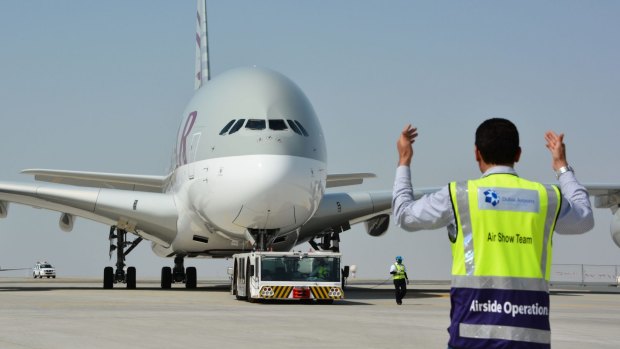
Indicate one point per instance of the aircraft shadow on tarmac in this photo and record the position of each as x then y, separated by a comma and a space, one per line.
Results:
117, 288
354, 295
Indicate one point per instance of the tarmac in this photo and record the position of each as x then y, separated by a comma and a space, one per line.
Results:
78, 313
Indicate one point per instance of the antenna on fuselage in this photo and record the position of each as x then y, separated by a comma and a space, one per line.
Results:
202, 45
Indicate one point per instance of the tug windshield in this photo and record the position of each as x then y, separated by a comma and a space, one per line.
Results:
280, 268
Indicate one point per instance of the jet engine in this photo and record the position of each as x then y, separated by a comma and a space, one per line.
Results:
66, 222
4, 209
614, 228
611, 200
377, 226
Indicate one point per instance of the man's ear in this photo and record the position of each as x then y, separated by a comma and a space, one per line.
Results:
518, 155
477, 154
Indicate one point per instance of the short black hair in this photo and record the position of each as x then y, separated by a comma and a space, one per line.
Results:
497, 140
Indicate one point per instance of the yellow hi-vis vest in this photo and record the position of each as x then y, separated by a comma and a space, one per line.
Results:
502, 262
400, 271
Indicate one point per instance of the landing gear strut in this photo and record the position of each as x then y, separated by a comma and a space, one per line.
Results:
123, 248
178, 274
262, 238
329, 241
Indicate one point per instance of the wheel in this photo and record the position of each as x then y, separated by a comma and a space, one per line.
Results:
108, 277
166, 277
34, 276
190, 277
53, 277
131, 278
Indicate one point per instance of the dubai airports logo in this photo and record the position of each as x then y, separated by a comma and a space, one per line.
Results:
491, 197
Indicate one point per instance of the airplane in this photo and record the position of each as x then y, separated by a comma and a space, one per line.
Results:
10, 269
249, 172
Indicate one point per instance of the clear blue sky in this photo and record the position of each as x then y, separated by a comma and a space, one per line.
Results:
100, 85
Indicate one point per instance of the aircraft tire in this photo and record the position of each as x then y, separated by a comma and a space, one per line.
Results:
190, 277
108, 277
166, 277
131, 278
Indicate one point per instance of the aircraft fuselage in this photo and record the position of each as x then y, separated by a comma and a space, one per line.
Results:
250, 155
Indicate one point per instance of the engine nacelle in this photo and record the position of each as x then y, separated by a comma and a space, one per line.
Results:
4, 209
66, 222
377, 226
615, 227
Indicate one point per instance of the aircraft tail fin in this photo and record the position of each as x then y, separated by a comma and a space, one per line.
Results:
202, 46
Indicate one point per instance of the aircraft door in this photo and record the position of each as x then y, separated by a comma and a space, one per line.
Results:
241, 278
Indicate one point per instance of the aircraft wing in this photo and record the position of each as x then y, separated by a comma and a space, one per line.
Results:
9, 269
150, 215
341, 180
605, 195
602, 189
100, 179
338, 211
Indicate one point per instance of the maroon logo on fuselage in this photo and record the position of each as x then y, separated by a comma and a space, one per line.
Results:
189, 123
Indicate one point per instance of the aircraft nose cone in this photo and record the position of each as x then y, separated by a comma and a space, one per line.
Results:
280, 195
261, 192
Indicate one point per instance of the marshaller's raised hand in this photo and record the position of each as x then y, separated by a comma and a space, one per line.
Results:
405, 145
555, 144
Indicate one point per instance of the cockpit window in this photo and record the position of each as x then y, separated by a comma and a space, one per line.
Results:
227, 127
255, 124
237, 126
293, 127
303, 130
277, 124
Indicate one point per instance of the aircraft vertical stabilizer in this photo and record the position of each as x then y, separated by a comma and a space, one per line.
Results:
202, 45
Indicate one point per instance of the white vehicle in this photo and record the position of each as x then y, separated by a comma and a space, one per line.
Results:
44, 269
287, 275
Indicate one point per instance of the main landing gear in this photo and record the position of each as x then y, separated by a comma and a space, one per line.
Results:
119, 243
178, 274
122, 247
329, 242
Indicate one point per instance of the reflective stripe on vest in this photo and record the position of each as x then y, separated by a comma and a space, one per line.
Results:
400, 271
500, 282
501, 260
505, 332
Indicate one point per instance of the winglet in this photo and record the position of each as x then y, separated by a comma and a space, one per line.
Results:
202, 46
